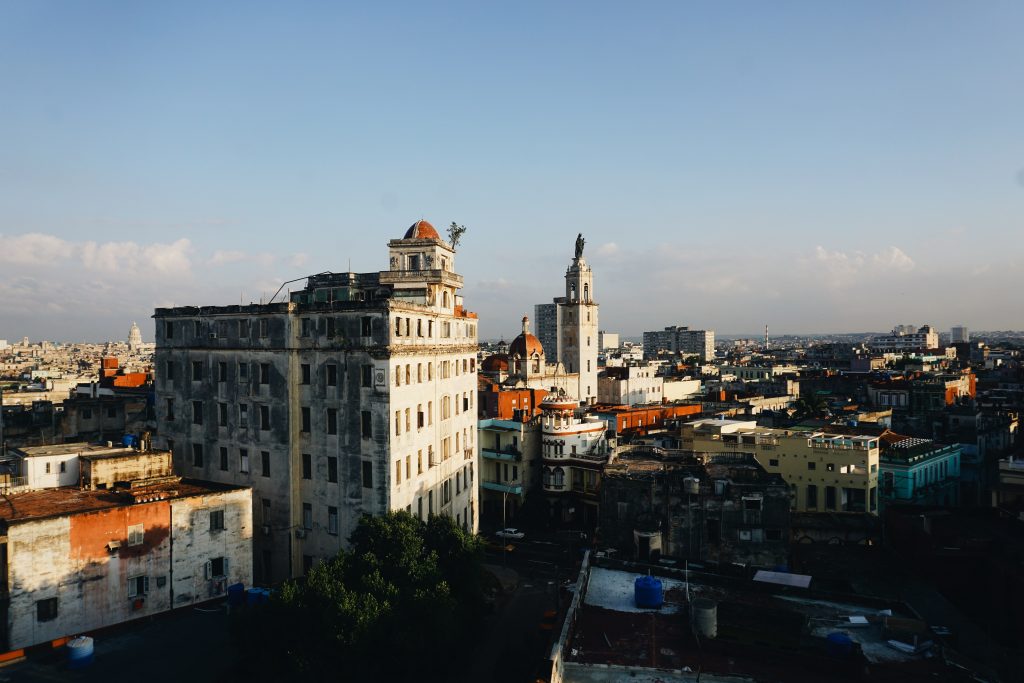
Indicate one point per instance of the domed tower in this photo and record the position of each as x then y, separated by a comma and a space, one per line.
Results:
526, 354
423, 267
134, 338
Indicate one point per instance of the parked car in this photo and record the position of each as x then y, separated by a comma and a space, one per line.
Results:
512, 533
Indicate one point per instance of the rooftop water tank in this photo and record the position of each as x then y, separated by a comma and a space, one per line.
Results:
705, 617
648, 592
80, 651
838, 644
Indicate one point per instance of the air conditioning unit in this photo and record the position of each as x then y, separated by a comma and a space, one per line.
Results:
266, 529
300, 533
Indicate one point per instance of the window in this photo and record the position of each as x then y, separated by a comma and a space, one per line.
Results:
332, 375
265, 418
264, 327
419, 416
366, 376
216, 520
197, 455
46, 610
136, 533
306, 373
243, 328
773, 534
264, 373
332, 420
419, 461
138, 586
398, 375
367, 474
197, 412
63, 467
306, 419
332, 520
265, 516
398, 472
366, 423
223, 459
812, 496
307, 466
111, 412
408, 420
365, 326
398, 423
222, 372
332, 469
408, 374
243, 415
830, 467
307, 516
46, 468
217, 568
830, 497
408, 467
265, 463
169, 330
430, 412
197, 328
774, 462
197, 371
243, 461
169, 370
222, 414
243, 372
812, 465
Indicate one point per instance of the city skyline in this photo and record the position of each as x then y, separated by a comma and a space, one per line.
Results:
816, 169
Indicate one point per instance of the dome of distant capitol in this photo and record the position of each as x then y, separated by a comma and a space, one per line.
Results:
421, 230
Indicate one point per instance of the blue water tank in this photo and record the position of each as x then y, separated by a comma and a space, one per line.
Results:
80, 651
130, 441
838, 644
236, 594
648, 592
254, 596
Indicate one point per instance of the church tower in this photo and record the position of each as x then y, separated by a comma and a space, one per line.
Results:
577, 333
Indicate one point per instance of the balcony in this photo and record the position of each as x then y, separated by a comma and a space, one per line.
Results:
446, 277
9, 484
503, 487
509, 453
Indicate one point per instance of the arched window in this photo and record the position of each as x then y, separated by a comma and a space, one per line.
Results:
558, 477
444, 299
586, 292
572, 292
547, 476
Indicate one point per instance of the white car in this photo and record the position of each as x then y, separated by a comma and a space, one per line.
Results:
511, 532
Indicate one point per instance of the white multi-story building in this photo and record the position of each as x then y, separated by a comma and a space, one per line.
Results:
682, 340
925, 337
574, 452
607, 340
630, 385
356, 396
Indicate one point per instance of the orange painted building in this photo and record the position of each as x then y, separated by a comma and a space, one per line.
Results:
624, 420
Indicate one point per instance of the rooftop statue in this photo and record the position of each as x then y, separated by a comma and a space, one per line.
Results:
579, 244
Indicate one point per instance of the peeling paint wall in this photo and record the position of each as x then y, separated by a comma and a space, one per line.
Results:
86, 562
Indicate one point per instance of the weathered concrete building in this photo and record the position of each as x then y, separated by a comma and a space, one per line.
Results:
574, 451
724, 509
356, 396
76, 559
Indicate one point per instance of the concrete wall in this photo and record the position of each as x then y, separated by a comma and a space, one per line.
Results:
70, 558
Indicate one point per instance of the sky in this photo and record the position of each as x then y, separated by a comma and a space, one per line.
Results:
816, 167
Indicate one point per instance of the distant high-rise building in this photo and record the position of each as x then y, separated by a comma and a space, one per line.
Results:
683, 340
607, 340
959, 335
547, 319
134, 337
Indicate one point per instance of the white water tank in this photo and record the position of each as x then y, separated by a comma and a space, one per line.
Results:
705, 617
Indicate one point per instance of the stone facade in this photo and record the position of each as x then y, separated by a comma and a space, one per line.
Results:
357, 396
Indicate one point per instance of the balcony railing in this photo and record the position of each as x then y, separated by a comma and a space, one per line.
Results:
12, 484
503, 487
504, 453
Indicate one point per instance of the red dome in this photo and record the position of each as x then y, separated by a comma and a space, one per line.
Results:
421, 230
525, 345
496, 363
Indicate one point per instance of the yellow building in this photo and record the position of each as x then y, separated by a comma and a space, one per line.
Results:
825, 472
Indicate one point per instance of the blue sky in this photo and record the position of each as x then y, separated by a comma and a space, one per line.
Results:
813, 166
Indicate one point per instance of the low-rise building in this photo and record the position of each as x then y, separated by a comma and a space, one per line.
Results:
81, 558
918, 471
575, 451
510, 466
630, 385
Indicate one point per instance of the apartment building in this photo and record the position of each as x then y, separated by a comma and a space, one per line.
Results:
825, 472
355, 396
680, 340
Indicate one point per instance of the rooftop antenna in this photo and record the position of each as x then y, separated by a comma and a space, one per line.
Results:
766, 337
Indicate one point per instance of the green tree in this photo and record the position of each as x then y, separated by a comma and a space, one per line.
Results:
455, 233
398, 605
811, 405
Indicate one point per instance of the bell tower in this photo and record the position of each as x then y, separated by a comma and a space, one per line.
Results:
578, 325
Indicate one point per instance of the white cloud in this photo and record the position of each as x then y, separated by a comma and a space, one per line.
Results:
895, 258
608, 249
298, 260
131, 258
221, 257
34, 249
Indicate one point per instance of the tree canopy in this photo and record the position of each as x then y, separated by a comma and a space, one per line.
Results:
397, 605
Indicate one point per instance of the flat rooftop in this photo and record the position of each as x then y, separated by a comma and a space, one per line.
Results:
70, 500
78, 448
765, 632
